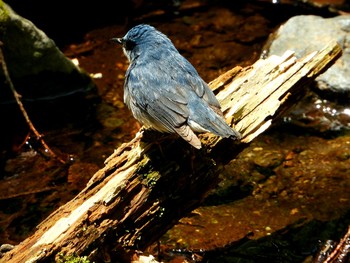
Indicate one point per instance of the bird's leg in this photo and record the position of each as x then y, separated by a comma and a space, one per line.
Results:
152, 137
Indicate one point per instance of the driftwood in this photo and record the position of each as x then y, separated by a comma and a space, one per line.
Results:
146, 187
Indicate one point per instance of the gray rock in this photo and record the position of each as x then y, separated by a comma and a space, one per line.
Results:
38, 69
308, 33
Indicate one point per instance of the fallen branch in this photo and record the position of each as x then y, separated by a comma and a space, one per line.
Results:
17, 97
342, 252
145, 187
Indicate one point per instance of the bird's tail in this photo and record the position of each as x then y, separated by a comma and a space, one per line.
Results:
221, 128
213, 121
188, 135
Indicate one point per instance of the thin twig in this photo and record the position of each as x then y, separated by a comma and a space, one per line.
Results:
24, 112
341, 252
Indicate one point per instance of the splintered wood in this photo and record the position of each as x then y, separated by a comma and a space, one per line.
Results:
146, 187
256, 93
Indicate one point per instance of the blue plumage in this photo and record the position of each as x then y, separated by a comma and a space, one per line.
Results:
164, 91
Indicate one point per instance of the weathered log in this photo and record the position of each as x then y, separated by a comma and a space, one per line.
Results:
148, 184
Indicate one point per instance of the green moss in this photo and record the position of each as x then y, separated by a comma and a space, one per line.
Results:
151, 178
147, 175
4, 16
4, 12
73, 259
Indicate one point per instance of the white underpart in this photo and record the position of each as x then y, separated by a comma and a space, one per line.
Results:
196, 127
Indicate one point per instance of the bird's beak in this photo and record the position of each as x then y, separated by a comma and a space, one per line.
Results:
117, 40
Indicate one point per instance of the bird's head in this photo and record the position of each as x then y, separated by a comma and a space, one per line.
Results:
142, 38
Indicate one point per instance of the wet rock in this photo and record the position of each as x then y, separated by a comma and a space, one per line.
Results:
54, 91
307, 33
38, 69
320, 115
268, 159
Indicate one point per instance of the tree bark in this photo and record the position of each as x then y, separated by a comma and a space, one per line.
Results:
149, 183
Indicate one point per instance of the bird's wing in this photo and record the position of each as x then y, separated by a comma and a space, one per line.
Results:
157, 95
199, 86
160, 96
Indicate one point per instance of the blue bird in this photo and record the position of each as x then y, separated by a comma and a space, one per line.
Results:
164, 91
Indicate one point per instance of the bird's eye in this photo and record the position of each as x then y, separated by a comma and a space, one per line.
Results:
128, 44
